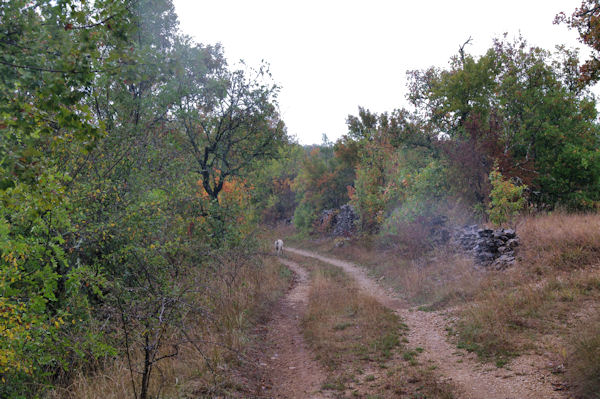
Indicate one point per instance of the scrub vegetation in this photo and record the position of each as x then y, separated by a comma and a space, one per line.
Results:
143, 180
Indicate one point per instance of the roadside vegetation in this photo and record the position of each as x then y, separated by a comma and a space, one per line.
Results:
551, 295
128, 262
142, 177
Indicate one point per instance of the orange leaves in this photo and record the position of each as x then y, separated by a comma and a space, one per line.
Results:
234, 193
351, 192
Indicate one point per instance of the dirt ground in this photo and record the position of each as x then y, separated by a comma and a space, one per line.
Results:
290, 366
295, 374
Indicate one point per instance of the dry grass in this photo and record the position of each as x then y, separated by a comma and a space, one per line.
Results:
540, 304
584, 360
344, 325
213, 361
560, 242
543, 296
439, 278
360, 342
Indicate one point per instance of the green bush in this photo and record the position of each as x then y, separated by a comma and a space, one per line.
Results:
506, 199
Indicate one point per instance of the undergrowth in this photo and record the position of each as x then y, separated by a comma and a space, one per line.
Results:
214, 358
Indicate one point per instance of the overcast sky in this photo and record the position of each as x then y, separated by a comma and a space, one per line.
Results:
330, 56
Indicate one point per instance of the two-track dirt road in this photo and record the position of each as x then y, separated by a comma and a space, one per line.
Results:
297, 375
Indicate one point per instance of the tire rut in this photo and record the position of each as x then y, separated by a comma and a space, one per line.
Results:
473, 379
290, 365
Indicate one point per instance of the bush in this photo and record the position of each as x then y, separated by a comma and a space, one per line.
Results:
304, 217
506, 199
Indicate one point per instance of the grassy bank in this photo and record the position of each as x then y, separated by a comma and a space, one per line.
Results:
215, 356
545, 303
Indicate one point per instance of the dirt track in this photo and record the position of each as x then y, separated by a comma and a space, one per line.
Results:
520, 380
290, 364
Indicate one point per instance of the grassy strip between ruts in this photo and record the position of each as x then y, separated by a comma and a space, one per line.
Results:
360, 342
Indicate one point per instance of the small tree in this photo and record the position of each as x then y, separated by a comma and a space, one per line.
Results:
506, 198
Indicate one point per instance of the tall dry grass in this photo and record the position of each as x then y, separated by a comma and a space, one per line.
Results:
583, 363
559, 242
214, 356
542, 297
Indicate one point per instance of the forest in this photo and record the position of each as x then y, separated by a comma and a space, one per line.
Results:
143, 180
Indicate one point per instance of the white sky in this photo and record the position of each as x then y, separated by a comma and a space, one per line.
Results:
331, 56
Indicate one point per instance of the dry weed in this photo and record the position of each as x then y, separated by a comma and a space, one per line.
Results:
359, 341
213, 354
583, 369
557, 275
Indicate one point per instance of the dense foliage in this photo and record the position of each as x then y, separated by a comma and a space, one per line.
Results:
520, 107
124, 155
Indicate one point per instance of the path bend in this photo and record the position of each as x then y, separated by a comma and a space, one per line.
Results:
473, 379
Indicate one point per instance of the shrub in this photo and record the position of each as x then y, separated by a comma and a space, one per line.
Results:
506, 199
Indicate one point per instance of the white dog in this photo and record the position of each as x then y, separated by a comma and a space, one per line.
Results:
279, 246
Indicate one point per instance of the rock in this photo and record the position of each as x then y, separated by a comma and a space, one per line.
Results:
503, 262
499, 235
510, 233
485, 257
338, 222
345, 221
512, 243
490, 248
485, 232
504, 249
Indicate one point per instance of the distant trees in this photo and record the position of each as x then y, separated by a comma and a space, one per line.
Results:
321, 184
586, 20
519, 107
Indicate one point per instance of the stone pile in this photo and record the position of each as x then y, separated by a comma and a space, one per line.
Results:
345, 221
339, 222
491, 248
327, 217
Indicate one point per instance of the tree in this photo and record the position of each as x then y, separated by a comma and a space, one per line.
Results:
586, 20
322, 183
230, 119
272, 184
46, 70
541, 122
506, 199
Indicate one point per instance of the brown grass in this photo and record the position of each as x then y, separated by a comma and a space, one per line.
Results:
541, 298
583, 362
214, 362
541, 304
439, 278
360, 342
